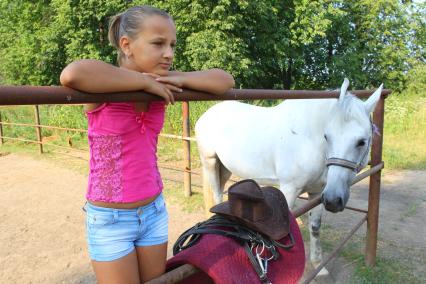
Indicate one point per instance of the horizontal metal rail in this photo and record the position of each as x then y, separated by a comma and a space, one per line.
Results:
178, 137
346, 207
48, 144
38, 95
43, 126
175, 275
85, 131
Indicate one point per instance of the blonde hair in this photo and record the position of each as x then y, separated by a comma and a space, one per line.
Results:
129, 23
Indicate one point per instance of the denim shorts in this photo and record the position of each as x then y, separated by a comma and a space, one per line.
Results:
114, 233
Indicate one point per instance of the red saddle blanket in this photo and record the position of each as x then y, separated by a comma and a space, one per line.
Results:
223, 260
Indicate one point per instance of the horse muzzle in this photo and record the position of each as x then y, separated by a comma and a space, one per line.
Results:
333, 203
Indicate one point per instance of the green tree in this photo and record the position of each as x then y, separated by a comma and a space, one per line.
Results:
265, 44
23, 28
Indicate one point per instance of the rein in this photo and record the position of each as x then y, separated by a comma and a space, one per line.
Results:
260, 249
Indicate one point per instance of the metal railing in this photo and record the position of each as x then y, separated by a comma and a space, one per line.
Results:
60, 95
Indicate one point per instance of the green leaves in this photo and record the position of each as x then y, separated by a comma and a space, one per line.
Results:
265, 44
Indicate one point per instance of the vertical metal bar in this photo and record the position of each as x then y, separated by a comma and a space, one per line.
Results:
1, 131
38, 128
374, 191
186, 149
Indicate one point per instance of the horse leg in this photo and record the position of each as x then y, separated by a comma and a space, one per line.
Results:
291, 193
225, 174
314, 230
211, 174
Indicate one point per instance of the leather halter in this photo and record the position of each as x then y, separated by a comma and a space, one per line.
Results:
354, 166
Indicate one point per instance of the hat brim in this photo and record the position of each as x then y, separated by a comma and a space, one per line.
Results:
275, 225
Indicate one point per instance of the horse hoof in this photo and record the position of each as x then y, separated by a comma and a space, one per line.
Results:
323, 271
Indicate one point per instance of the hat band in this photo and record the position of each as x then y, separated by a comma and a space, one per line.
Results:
248, 210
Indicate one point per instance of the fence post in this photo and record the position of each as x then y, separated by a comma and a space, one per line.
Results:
38, 129
1, 131
374, 189
186, 149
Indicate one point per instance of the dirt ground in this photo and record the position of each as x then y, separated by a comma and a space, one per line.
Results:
42, 237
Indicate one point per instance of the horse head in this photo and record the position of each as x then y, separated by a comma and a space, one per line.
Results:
348, 136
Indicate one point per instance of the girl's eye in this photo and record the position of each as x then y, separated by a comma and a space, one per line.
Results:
360, 143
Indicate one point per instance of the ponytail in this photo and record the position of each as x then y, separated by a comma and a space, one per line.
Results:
114, 35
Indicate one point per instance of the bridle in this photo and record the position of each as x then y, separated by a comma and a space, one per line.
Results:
354, 166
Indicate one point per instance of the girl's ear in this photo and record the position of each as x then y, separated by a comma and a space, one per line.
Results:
125, 46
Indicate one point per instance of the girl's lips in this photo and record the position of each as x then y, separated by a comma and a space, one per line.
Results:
165, 65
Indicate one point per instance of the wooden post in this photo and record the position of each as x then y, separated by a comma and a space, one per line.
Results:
374, 191
38, 129
1, 131
186, 149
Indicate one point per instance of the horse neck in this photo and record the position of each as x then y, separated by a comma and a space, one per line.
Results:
323, 112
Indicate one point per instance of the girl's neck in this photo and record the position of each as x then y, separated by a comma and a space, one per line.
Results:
126, 64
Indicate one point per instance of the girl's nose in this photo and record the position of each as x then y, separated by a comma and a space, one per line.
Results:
169, 53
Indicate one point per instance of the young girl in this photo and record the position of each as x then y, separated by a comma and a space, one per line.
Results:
127, 221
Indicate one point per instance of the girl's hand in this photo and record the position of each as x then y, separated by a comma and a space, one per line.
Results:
173, 83
160, 89
172, 80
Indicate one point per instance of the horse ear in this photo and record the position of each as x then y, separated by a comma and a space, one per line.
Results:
343, 89
371, 103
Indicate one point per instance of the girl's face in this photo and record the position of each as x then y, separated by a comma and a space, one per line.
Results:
152, 50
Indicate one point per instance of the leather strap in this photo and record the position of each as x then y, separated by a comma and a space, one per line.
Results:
248, 238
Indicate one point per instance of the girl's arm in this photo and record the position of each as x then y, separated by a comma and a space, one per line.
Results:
94, 76
214, 81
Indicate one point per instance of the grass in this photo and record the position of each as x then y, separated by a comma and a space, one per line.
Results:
411, 210
174, 194
405, 133
388, 269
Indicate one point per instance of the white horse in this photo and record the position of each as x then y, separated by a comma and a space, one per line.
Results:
315, 146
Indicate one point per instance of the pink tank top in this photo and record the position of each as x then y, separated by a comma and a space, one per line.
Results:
123, 152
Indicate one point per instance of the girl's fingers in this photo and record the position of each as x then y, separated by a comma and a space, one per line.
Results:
168, 96
155, 76
173, 88
170, 80
171, 97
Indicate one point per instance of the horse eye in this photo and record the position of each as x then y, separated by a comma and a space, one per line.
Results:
325, 137
360, 143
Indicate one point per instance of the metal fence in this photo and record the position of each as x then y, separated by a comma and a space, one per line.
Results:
26, 95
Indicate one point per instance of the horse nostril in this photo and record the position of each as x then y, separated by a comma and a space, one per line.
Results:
339, 203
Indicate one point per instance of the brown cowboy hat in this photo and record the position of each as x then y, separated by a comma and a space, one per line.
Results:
262, 209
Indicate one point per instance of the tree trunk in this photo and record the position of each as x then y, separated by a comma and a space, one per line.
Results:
287, 73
